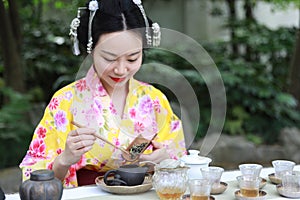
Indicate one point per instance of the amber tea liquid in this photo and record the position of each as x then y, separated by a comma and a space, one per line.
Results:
202, 197
249, 192
174, 193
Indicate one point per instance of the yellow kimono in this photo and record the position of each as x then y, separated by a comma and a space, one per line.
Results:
147, 111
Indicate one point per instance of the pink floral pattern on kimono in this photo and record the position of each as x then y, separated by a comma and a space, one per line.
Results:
147, 112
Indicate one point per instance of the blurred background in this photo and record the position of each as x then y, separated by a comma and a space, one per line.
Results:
255, 45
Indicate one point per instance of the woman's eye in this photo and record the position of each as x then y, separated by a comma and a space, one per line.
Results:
132, 60
109, 60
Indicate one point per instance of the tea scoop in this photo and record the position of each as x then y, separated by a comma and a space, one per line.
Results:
136, 148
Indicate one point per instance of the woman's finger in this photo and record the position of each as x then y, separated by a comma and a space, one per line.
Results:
79, 138
86, 131
157, 145
82, 144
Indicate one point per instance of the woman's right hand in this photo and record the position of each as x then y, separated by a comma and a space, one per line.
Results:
79, 141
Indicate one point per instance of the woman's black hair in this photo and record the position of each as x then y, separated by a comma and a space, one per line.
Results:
112, 16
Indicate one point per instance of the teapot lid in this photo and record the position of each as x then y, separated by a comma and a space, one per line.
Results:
195, 159
42, 175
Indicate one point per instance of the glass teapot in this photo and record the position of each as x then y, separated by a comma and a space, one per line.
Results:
170, 179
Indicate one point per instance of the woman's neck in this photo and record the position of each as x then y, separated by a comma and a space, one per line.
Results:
118, 98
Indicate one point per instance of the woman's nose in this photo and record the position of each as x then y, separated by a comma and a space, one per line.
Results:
120, 68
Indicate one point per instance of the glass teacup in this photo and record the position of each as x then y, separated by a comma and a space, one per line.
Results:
213, 173
283, 167
250, 169
291, 182
249, 185
200, 189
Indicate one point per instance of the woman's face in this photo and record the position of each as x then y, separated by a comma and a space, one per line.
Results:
117, 57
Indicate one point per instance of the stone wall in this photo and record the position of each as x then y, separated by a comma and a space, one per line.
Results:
10, 179
230, 151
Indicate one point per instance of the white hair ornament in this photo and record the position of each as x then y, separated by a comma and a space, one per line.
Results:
73, 32
93, 6
156, 34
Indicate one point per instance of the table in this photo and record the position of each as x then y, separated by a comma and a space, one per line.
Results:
93, 192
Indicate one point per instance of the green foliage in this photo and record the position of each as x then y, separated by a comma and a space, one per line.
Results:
48, 56
49, 65
257, 104
284, 4
15, 128
255, 80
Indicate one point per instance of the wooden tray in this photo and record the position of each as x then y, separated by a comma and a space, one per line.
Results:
147, 185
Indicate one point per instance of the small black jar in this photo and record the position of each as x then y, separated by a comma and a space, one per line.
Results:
42, 185
2, 195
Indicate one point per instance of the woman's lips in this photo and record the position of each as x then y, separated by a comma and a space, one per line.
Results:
118, 80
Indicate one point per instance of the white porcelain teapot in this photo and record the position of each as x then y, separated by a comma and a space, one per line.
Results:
195, 163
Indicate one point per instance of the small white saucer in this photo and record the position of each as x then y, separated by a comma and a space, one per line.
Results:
187, 197
275, 180
219, 190
262, 183
285, 193
262, 196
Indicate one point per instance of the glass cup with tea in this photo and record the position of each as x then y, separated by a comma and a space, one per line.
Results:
250, 169
249, 185
200, 189
283, 167
213, 173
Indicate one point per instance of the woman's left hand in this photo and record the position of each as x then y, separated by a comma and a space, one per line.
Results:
159, 153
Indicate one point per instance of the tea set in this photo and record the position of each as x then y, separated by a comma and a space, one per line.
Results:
180, 175
178, 179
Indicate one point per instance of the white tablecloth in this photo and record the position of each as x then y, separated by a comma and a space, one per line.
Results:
94, 191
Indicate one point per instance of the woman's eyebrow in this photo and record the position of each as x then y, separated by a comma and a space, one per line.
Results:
109, 53
115, 55
134, 53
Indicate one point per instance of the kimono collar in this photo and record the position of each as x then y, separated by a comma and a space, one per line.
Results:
94, 84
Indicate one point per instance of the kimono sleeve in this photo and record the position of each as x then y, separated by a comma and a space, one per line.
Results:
49, 137
170, 131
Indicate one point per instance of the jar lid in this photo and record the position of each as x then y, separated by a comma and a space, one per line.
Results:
42, 175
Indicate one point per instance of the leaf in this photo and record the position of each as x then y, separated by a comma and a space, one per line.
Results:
240, 113
231, 79
286, 99
59, 4
106, 127
101, 131
234, 127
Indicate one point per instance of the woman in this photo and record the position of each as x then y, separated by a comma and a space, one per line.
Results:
108, 101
